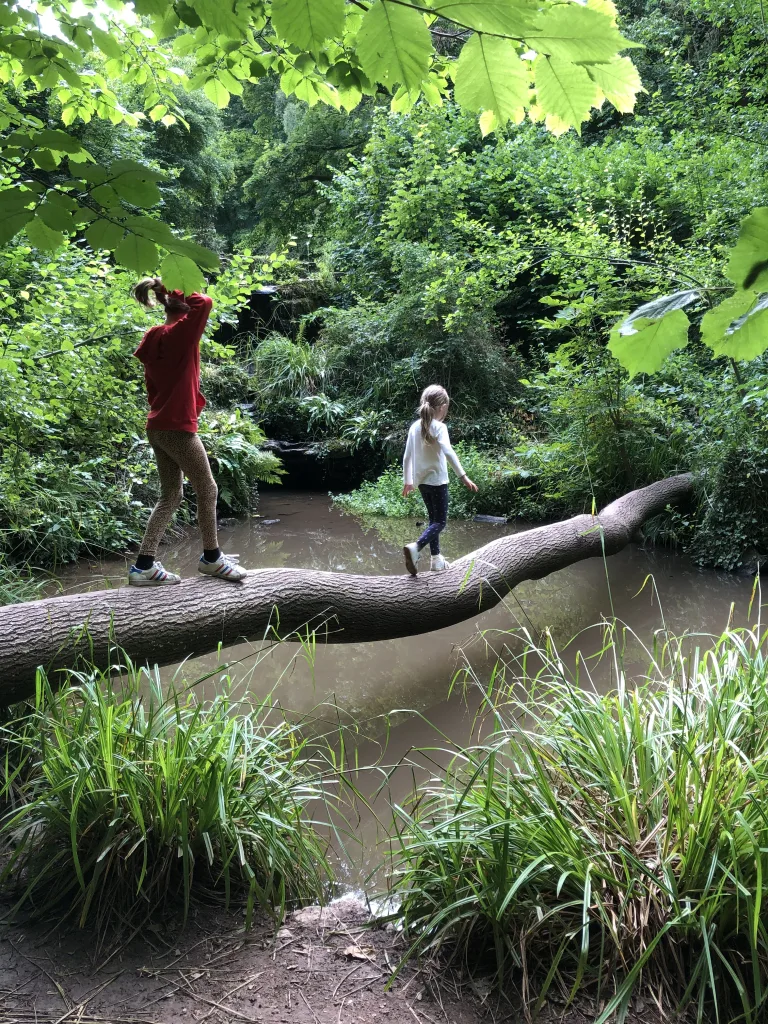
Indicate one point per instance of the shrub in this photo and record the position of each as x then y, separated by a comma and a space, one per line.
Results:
495, 477
232, 441
132, 799
618, 842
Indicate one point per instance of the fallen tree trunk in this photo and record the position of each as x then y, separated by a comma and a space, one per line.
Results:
163, 626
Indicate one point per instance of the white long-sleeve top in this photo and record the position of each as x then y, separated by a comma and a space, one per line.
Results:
428, 463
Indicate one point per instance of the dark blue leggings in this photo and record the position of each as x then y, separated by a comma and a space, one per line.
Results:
436, 500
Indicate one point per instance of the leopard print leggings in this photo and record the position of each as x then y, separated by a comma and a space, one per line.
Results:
179, 454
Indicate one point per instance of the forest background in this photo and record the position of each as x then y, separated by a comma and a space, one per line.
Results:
407, 247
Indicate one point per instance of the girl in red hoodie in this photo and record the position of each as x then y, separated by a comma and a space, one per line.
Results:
170, 353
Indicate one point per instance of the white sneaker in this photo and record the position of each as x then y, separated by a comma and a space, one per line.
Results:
412, 554
157, 576
437, 563
224, 568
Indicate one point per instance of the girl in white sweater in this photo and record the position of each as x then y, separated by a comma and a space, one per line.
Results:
425, 465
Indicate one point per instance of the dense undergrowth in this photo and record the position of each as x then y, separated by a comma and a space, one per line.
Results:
604, 846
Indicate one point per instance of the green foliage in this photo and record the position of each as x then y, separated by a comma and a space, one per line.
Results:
77, 472
615, 842
128, 800
19, 584
496, 479
233, 445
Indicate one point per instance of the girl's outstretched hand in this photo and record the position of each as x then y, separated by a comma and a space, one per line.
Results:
407, 488
469, 484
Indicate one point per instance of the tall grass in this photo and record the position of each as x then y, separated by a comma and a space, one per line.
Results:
124, 801
607, 844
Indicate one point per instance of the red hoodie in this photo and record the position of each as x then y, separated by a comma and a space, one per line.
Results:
171, 357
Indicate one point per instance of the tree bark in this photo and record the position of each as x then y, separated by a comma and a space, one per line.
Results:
161, 625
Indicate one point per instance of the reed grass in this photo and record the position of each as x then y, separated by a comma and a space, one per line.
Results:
606, 845
123, 800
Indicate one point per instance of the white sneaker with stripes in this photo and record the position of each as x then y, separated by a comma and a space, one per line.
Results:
224, 568
157, 576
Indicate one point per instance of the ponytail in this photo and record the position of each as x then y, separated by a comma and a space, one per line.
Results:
150, 291
433, 399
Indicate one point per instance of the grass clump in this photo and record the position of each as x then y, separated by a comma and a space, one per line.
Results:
606, 845
128, 801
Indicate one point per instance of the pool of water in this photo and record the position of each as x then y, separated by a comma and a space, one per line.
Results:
647, 589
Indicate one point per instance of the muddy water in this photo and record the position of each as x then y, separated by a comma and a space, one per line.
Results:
648, 590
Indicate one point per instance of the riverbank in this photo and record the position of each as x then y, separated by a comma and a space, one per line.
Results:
323, 966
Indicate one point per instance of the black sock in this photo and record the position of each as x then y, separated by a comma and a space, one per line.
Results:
144, 562
211, 554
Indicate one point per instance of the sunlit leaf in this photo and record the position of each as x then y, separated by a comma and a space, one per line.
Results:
565, 94
180, 272
216, 93
618, 81
646, 348
308, 23
659, 307
513, 18
489, 76
578, 34
394, 45
748, 263
738, 327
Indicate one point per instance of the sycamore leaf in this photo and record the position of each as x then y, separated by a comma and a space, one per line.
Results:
394, 45
748, 265
137, 254
565, 94
308, 24
579, 34
645, 349
103, 234
513, 18
180, 272
489, 76
738, 327
618, 81
43, 237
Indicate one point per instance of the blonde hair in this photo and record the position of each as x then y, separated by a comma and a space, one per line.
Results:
433, 398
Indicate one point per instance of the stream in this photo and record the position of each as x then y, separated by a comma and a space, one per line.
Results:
647, 589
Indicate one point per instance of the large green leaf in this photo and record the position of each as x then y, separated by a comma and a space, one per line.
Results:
489, 75
565, 94
137, 254
738, 327
217, 93
222, 16
180, 272
618, 81
394, 45
579, 34
748, 265
645, 349
11, 222
660, 306
308, 23
515, 18
56, 217
104, 234
137, 188
43, 237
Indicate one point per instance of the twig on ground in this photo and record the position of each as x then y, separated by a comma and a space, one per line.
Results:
231, 992
309, 1007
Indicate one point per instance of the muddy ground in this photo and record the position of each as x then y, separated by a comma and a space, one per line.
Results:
321, 967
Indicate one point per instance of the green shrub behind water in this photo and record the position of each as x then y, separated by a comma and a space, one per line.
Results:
494, 475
